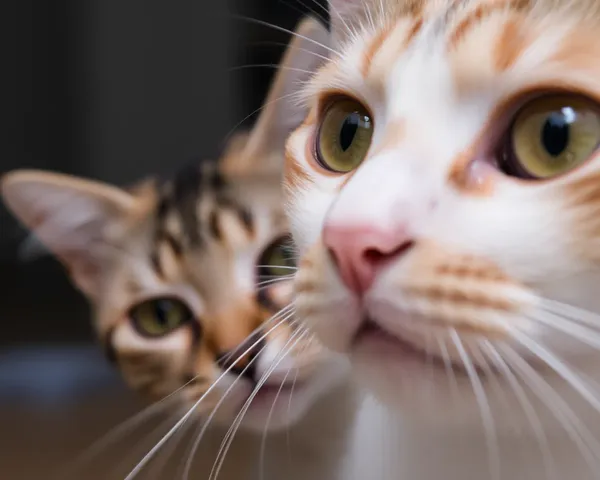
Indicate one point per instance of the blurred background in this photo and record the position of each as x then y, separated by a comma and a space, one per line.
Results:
112, 90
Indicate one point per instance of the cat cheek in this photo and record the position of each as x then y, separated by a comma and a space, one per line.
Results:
323, 303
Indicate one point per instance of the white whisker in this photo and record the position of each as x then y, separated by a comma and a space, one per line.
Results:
283, 312
559, 366
162, 460
349, 30
576, 314
269, 65
122, 429
486, 413
449, 367
196, 444
569, 327
532, 417
238, 420
574, 427
285, 30
189, 413
263, 441
286, 267
262, 107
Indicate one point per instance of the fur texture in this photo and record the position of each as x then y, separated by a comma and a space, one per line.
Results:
190, 297
480, 325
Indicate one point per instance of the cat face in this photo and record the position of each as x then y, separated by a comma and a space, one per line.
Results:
190, 279
443, 193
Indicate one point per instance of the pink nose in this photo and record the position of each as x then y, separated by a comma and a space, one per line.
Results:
360, 251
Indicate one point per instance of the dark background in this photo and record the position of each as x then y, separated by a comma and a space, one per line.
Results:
112, 90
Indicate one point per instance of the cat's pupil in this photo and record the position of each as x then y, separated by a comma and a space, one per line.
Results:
348, 130
162, 313
555, 134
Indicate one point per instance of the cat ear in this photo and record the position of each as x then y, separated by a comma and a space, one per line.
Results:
281, 113
70, 216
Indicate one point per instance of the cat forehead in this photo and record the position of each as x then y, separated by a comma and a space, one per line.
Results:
458, 48
189, 205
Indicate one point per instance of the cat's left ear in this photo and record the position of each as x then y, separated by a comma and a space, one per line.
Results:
281, 114
72, 217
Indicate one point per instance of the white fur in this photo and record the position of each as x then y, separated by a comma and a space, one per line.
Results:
445, 430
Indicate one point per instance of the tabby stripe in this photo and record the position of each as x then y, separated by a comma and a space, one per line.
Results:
173, 243
479, 13
156, 265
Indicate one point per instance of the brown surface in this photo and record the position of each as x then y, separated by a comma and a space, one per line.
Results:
38, 442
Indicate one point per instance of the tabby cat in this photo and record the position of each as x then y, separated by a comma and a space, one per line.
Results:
186, 279
444, 192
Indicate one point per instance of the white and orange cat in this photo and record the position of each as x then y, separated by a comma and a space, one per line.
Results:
186, 277
444, 194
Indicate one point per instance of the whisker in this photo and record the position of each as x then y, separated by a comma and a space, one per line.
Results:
285, 30
269, 65
430, 367
238, 420
262, 107
196, 444
285, 267
161, 462
263, 442
559, 366
489, 373
284, 311
532, 417
578, 315
448, 366
267, 283
119, 430
189, 413
486, 413
289, 409
349, 30
573, 426
577, 331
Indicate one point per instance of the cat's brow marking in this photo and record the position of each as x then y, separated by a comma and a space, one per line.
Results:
474, 18
372, 49
510, 44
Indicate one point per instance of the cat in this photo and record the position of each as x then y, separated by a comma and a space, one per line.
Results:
186, 278
443, 193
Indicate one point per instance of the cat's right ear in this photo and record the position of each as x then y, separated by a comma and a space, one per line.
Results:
264, 145
72, 217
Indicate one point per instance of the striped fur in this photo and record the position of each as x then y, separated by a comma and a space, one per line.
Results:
198, 245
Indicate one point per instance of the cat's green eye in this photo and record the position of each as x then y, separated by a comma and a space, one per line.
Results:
159, 316
345, 136
551, 136
277, 260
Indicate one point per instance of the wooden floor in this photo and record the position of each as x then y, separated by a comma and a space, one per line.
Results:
44, 430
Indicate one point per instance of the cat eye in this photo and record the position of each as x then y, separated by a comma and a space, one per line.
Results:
551, 136
344, 137
277, 259
159, 316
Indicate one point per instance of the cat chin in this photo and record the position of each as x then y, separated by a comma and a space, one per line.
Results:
274, 409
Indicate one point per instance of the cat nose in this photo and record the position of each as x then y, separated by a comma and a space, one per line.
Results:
360, 252
241, 360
